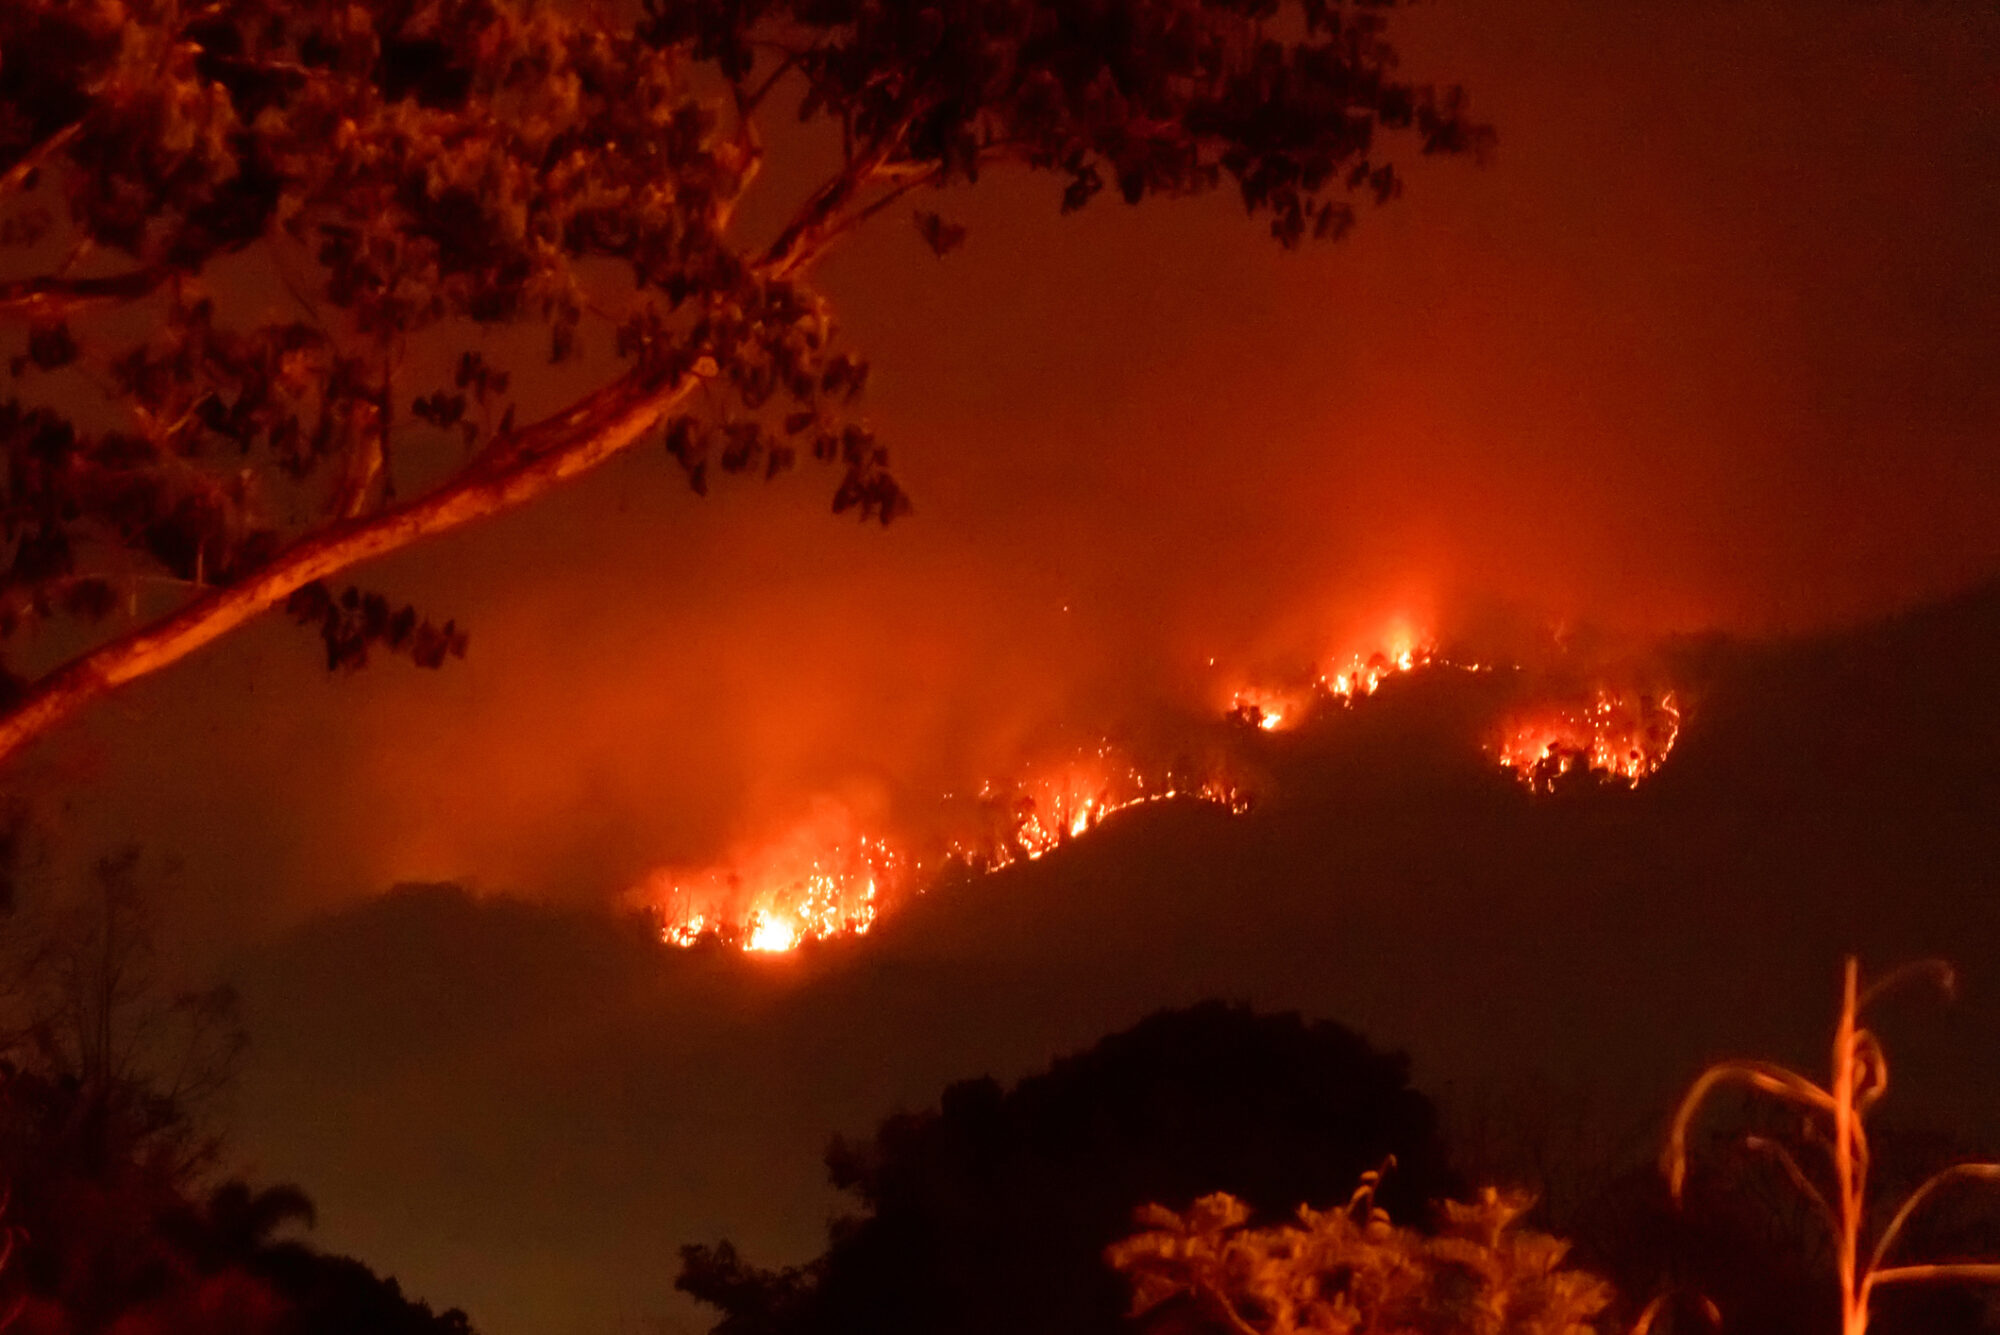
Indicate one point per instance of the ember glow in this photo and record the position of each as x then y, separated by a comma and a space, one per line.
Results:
1615, 736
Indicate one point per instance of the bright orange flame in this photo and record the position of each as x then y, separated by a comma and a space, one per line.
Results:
819, 880
1343, 680
1029, 818
823, 880
1360, 676
1617, 736
1270, 709
826, 879
772, 934
1614, 735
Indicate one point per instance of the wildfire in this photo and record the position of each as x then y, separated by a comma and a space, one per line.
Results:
1270, 709
822, 879
1363, 677
809, 885
1617, 736
1342, 681
828, 878
1027, 819
1612, 735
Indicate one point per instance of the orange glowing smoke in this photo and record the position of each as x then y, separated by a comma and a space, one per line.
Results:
1616, 736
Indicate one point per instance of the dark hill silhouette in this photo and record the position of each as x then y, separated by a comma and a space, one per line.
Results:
1582, 956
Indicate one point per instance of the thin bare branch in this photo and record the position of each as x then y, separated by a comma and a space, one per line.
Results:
1765, 1145
37, 157
1964, 1172
807, 234
1939, 971
514, 468
1764, 1076
45, 297
746, 103
1979, 1272
1225, 1309
1650, 1315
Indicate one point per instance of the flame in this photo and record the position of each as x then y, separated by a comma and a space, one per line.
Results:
772, 934
1029, 818
1270, 709
1343, 680
1617, 736
817, 880
823, 879
1360, 677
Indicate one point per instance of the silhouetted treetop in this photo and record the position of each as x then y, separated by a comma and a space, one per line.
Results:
252, 250
996, 1207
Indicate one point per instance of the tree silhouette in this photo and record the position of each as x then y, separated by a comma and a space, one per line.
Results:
256, 247
992, 1212
114, 1218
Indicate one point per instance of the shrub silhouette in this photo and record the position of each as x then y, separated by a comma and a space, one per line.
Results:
992, 1212
1352, 1271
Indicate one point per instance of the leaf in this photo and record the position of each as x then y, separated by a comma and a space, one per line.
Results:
941, 236
90, 599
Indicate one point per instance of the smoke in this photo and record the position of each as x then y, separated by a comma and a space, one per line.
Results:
1691, 354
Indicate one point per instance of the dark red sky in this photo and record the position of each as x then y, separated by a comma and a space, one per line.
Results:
1711, 343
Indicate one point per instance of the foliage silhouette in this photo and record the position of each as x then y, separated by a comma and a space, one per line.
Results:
115, 1220
408, 177
992, 1212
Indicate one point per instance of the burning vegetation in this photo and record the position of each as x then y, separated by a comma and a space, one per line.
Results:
830, 875
1615, 736
1028, 818
822, 878
1605, 734
826, 878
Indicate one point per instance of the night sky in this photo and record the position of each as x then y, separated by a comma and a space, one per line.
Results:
1702, 365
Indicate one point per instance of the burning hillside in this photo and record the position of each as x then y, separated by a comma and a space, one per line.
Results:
1618, 736
1605, 734
1026, 818
825, 877
830, 876
821, 878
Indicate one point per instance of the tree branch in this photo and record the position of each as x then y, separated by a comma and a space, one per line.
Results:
1964, 1172
1799, 1179
25, 166
512, 469
42, 297
817, 220
1979, 1272
1765, 1076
